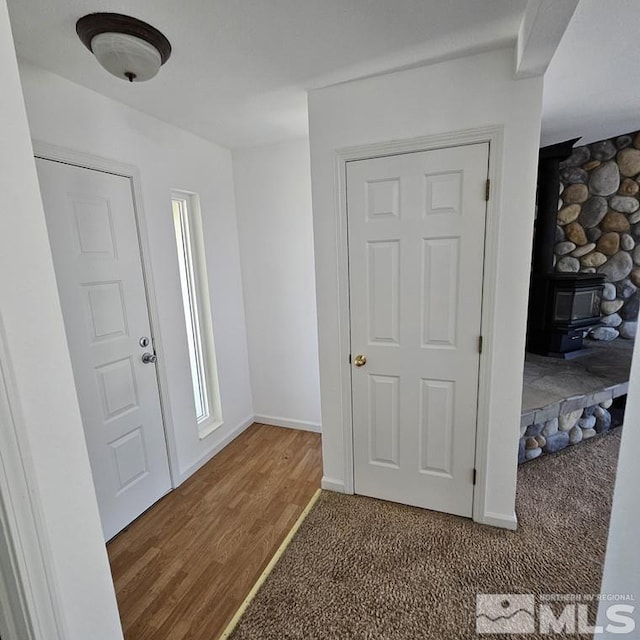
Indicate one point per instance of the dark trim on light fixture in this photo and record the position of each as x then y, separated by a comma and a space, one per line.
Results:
94, 24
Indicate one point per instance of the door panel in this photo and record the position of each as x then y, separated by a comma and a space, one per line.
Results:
384, 287
384, 419
439, 291
416, 227
94, 241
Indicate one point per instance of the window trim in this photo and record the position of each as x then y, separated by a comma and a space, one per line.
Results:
187, 221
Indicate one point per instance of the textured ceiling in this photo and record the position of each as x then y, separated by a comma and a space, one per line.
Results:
240, 68
592, 86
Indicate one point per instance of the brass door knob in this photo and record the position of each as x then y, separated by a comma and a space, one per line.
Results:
360, 361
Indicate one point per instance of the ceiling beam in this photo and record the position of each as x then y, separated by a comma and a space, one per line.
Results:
541, 29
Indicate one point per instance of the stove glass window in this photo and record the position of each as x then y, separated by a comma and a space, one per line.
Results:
577, 305
562, 310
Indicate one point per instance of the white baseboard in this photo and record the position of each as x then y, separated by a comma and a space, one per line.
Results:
330, 484
303, 425
189, 471
500, 520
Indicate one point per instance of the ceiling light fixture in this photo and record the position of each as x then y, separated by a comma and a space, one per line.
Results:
126, 47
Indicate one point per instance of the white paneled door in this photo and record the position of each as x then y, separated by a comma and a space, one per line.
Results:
96, 253
416, 226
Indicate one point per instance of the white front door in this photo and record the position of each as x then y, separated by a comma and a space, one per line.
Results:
96, 253
416, 226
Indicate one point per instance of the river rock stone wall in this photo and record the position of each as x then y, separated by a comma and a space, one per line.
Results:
563, 431
599, 227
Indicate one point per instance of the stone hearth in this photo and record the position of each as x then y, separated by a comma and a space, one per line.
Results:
566, 401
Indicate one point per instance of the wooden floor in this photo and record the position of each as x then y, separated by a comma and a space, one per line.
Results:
182, 569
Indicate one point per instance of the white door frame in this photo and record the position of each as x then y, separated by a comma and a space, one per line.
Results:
494, 136
56, 153
28, 592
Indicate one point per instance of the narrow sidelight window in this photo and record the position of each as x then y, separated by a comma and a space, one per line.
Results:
197, 310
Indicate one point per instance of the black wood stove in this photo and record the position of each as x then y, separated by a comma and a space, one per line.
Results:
562, 306
566, 306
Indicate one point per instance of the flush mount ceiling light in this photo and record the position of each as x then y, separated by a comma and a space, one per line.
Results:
126, 47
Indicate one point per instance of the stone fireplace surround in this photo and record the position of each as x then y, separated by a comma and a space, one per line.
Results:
599, 227
598, 231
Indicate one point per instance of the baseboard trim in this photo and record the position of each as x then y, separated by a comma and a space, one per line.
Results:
330, 484
215, 450
303, 425
272, 563
500, 520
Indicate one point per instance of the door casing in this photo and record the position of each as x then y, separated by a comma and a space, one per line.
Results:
28, 593
88, 161
493, 135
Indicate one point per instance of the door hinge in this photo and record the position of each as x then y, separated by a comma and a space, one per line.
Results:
475, 475
479, 344
487, 190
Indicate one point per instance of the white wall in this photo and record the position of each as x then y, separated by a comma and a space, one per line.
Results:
273, 205
66, 114
622, 562
44, 403
450, 96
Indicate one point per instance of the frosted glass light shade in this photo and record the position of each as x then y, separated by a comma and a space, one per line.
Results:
126, 56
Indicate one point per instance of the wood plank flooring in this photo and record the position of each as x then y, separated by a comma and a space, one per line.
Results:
183, 568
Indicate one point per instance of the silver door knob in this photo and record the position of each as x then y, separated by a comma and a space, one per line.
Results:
149, 358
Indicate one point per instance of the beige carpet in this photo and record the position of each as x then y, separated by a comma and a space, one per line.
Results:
363, 568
